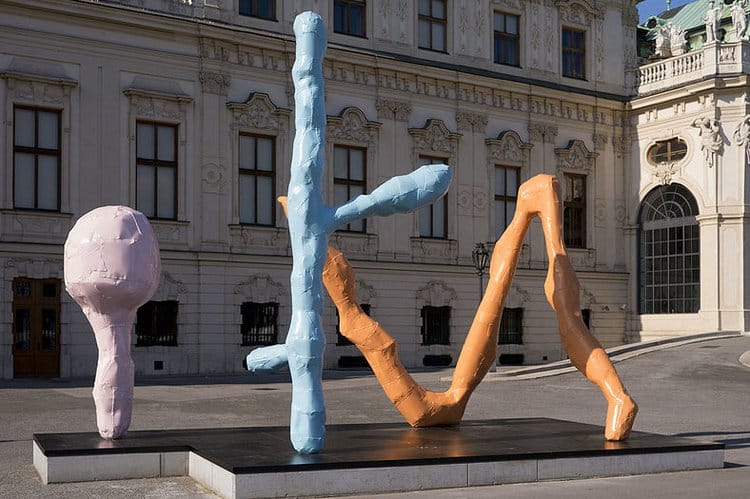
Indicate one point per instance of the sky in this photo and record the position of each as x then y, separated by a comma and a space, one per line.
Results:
651, 7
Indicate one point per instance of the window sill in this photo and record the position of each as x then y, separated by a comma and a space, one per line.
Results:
259, 239
432, 250
35, 226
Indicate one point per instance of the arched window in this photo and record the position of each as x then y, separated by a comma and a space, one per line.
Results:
667, 151
669, 258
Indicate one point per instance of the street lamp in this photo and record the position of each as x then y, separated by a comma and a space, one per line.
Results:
480, 256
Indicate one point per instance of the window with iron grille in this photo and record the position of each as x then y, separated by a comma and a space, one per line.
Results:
506, 39
669, 252
574, 211
349, 179
259, 323
257, 179
265, 9
340, 338
156, 170
36, 158
436, 325
511, 327
574, 53
506, 194
433, 219
349, 17
433, 22
156, 324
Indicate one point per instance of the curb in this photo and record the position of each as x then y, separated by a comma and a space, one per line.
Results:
616, 354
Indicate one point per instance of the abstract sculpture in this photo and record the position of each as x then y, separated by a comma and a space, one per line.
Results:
310, 223
112, 267
539, 196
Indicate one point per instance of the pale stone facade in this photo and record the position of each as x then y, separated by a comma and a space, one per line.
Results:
216, 74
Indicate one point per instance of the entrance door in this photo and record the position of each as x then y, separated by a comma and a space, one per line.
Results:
36, 328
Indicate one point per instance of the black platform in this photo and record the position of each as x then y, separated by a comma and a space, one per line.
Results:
242, 462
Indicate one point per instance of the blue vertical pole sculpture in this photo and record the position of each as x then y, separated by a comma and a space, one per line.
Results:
310, 223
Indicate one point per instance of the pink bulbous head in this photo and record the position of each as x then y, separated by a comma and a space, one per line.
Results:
112, 260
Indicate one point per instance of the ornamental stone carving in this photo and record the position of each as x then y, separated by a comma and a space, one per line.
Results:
393, 109
741, 137
260, 113
512, 4
600, 140
38, 90
437, 294
34, 268
170, 288
576, 156
577, 12
508, 148
540, 132
157, 106
711, 140
260, 289
471, 122
214, 83
663, 172
214, 178
352, 126
435, 137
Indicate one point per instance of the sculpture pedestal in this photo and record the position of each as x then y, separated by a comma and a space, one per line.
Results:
369, 458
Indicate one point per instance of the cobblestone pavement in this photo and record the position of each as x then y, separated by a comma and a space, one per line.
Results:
699, 390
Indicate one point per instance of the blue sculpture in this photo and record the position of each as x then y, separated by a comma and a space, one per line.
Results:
310, 223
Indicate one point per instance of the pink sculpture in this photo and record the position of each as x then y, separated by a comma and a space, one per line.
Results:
112, 267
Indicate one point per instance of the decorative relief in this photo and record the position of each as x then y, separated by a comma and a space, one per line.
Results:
362, 246
517, 297
541, 132
38, 92
575, 156
582, 259
437, 294
352, 126
621, 144
471, 122
34, 268
664, 172
393, 109
364, 292
157, 106
741, 137
169, 288
600, 212
258, 112
435, 137
170, 231
711, 140
479, 201
620, 211
512, 4
508, 148
465, 203
426, 250
600, 140
214, 178
260, 240
260, 289
214, 83
471, 26
577, 12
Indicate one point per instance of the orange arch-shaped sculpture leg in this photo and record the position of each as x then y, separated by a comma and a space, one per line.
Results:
539, 196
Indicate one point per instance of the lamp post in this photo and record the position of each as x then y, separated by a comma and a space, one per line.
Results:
480, 256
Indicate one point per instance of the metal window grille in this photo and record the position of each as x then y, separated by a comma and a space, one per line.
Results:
669, 250
511, 327
436, 325
156, 324
259, 323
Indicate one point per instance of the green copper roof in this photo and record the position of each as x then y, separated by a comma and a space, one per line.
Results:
688, 16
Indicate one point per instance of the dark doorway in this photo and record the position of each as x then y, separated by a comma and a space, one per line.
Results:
36, 328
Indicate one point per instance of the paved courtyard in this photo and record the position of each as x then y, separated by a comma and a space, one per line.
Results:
698, 390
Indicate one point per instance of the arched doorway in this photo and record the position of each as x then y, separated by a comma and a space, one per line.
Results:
668, 253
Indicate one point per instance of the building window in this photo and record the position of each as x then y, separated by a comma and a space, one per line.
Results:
156, 170
433, 22
156, 324
349, 179
667, 151
36, 159
574, 211
340, 338
574, 53
506, 39
586, 317
257, 182
349, 17
265, 9
436, 325
506, 193
433, 219
669, 258
259, 323
511, 327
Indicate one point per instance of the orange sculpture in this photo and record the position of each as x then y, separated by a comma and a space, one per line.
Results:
539, 196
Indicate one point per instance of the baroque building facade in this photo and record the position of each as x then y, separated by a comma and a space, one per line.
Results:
183, 109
